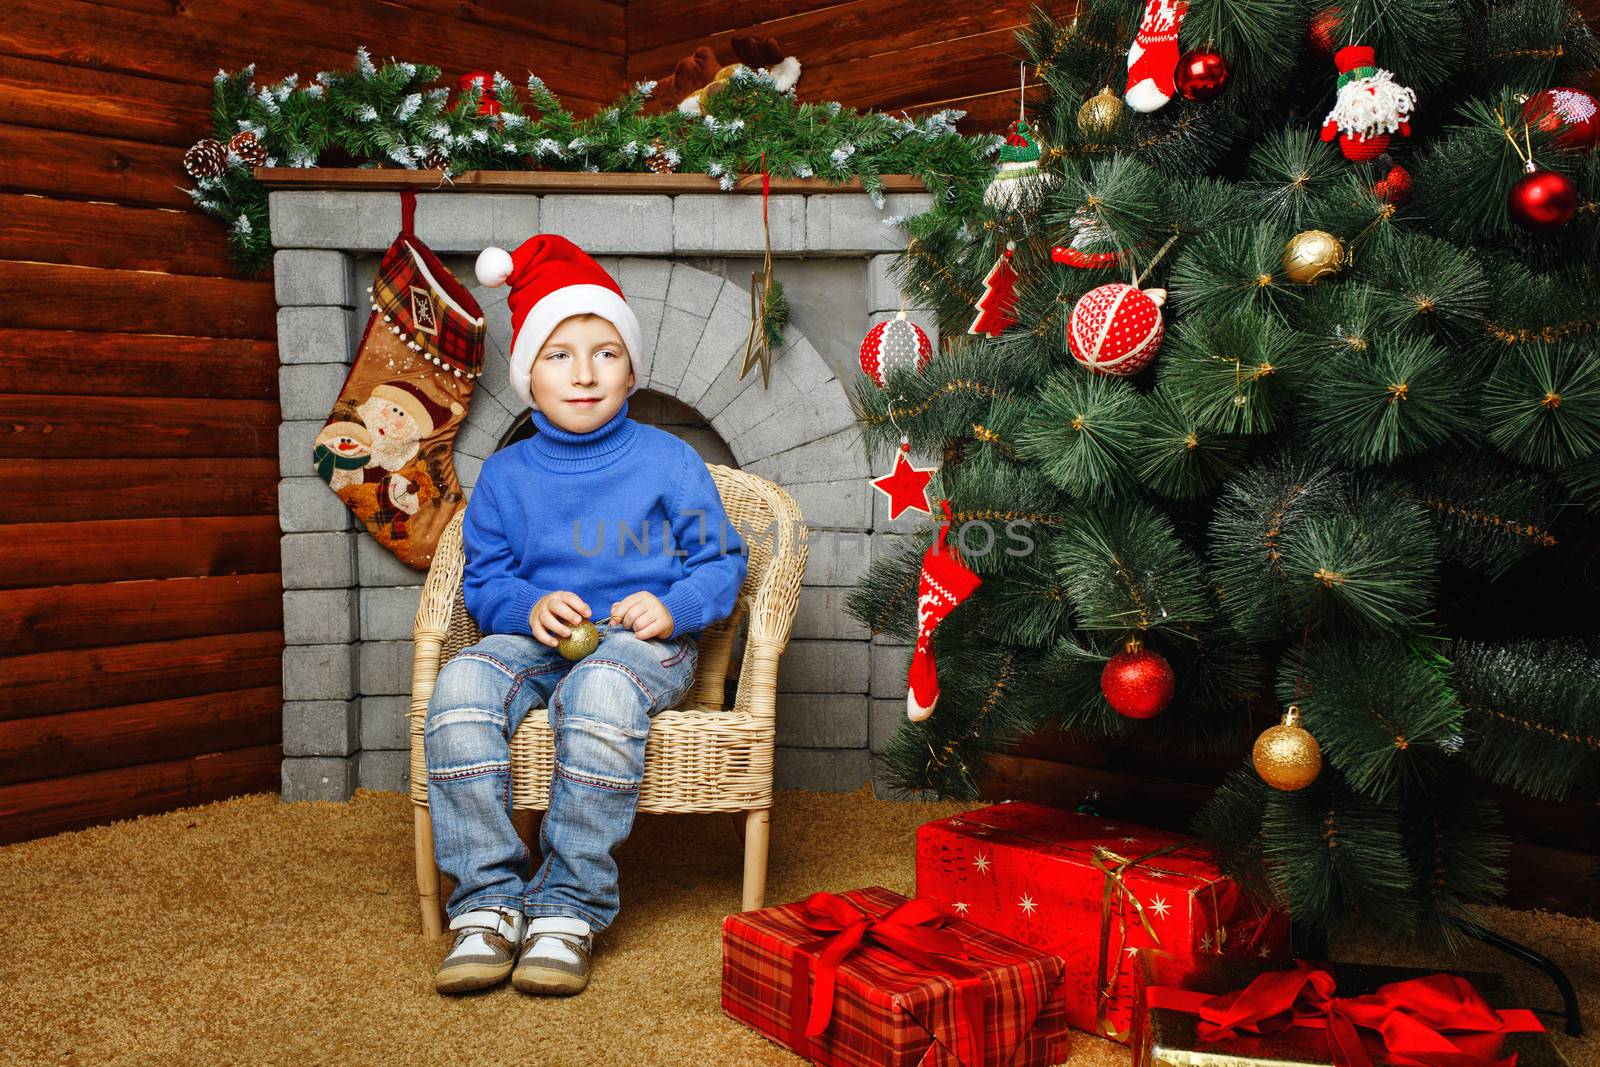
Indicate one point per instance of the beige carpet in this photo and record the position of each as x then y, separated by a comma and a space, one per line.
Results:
255, 932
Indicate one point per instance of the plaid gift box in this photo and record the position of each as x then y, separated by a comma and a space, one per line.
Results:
1091, 890
871, 979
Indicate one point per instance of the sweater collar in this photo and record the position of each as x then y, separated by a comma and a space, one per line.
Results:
564, 450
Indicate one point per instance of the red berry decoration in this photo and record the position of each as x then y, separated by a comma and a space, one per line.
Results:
1394, 187
1573, 112
1137, 682
1116, 328
1201, 74
1319, 34
1542, 199
894, 345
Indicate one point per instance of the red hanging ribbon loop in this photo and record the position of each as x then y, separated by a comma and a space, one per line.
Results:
766, 188
408, 211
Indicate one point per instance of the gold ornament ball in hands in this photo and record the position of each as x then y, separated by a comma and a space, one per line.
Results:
1286, 756
1312, 255
583, 640
1101, 114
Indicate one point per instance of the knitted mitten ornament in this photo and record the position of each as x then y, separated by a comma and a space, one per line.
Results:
945, 582
386, 447
1153, 58
1370, 105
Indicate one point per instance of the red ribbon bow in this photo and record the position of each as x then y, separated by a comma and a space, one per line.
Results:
1411, 1018
911, 931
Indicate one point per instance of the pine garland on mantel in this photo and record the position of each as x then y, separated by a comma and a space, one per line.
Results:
394, 116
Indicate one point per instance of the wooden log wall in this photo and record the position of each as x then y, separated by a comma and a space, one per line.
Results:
141, 619
891, 55
140, 600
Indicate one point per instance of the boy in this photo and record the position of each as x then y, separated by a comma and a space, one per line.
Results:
595, 518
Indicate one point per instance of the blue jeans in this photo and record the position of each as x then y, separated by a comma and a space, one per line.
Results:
600, 710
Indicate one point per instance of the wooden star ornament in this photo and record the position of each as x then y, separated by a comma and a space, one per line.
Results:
906, 486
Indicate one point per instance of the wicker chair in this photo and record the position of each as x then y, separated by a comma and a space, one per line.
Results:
700, 757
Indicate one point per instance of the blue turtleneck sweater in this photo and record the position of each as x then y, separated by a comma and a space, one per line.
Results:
591, 513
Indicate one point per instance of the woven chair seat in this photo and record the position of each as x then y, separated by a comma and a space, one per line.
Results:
686, 745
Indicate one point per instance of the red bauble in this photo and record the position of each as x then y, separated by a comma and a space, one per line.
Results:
1201, 74
1573, 112
1116, 329
1542, 200
1319, 33
1394, 187
1137, 682
893, 345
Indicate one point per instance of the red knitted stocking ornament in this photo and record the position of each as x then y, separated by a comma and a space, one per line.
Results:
946, 581
1153, 57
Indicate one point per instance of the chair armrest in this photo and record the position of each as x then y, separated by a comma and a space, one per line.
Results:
773, 610
772, 613
445, 576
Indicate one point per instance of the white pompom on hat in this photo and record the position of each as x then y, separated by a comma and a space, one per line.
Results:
553, 279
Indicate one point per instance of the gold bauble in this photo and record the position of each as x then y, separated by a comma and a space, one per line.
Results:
583, 640
1286, 756
1101, 114
1312, 255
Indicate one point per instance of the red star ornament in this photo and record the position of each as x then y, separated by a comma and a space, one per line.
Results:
906, 486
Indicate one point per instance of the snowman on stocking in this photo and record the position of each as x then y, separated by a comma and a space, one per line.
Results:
945, 582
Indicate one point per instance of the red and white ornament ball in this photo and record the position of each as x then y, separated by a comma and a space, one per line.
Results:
893, 345
1116, 328
1571, 115
1138, 682
1542, 200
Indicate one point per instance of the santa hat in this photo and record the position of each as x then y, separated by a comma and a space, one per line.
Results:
428, 414
553, 279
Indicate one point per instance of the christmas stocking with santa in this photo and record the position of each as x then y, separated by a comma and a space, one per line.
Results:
386, 447
945, 582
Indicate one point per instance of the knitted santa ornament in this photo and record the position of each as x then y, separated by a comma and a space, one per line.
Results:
386, 447
1017, 169
1370, 106
553, 279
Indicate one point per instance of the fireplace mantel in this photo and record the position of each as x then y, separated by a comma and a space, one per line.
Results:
682, 250
356, 179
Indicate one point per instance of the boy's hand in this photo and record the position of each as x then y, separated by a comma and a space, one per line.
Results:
554, 615
644, 614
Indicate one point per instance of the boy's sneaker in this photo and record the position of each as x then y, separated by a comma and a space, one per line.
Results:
555, 956
484, 951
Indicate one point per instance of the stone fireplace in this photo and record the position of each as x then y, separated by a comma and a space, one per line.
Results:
684, 261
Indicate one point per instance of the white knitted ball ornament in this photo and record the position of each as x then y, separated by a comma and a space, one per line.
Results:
894, 345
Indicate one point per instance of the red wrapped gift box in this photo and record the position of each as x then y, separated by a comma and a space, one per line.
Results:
870, 979
1093, 891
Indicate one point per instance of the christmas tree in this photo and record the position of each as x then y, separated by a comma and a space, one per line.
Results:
1303, 397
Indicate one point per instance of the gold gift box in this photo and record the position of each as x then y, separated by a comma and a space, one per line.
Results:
1164, 1037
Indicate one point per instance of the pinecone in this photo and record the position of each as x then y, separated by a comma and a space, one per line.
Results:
206, 159
246, 147
657, 159
435, 158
